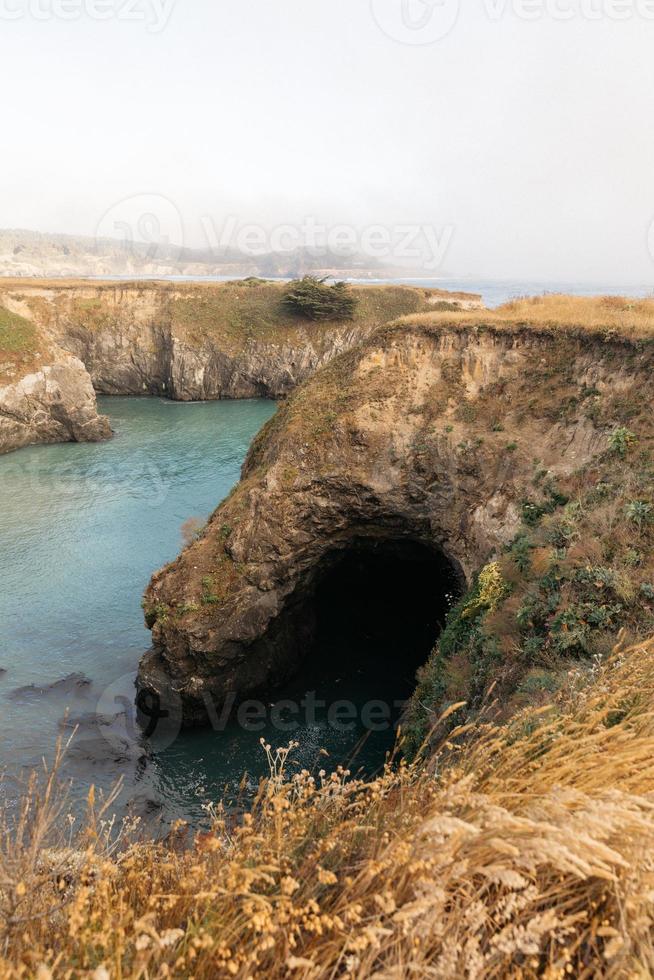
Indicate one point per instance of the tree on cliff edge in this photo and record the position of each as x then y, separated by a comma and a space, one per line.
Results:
313, 299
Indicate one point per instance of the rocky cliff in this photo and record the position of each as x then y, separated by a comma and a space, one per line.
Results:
444, 432
46, 394
54, 404
59, 340
202, 341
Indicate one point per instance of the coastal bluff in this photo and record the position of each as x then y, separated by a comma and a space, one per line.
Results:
63, 340
493, 438
46, 393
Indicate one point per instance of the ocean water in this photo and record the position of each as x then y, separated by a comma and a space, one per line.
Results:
494, 292
82, 529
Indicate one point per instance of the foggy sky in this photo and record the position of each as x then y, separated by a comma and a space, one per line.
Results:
532, 140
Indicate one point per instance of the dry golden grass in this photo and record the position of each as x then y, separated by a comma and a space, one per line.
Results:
525, 851
618, 315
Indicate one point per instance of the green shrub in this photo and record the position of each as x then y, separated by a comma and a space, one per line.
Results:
539, 682
187, 607
313, 299
520, 551
209, 598
621, 440
639, 512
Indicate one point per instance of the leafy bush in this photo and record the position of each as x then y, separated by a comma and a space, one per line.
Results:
639, 512
313, 299
209, 597
491, 589
520, 551
621, 440
533, 512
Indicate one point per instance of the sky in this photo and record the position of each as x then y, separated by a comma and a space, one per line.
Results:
498, 138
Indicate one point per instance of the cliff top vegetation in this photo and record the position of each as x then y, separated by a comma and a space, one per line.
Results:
315, 299
232, 313
613, 315
19, 346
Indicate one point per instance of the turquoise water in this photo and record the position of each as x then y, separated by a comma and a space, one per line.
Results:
82, 529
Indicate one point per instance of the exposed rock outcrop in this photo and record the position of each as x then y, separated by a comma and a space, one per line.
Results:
205, 340
426, 432
55, 403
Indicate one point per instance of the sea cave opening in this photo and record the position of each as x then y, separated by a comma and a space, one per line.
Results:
341, 662
375, 609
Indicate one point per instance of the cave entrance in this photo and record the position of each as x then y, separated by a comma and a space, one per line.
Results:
377, 608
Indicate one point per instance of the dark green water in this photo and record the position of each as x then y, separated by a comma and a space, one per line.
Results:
82, 528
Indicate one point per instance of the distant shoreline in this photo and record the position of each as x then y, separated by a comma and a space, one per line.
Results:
494, 292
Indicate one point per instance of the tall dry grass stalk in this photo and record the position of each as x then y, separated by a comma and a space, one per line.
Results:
525, 851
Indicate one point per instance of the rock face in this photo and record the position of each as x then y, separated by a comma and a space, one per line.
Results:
424, 433
185, 342
202, 341
153, 360
55, 403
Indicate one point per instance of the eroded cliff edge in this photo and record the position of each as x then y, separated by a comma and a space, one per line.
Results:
46, 394
442, 431
197, 341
